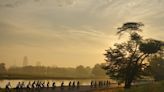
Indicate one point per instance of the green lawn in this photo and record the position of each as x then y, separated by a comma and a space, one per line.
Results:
154, 87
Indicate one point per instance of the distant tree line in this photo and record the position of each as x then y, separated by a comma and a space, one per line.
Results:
157, 67
52, 72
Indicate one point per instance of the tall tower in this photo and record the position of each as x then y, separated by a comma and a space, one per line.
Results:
25, 61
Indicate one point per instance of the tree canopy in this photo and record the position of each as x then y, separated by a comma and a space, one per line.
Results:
125, 61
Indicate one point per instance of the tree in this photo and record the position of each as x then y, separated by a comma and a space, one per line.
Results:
97, 71
157, 67
125, 61
82, 71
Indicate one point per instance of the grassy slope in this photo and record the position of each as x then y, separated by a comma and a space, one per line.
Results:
155, 87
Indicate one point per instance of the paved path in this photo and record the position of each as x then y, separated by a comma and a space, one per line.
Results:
65, 89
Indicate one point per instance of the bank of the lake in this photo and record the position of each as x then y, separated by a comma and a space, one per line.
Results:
151, 87
137, 87
86, 88
83, 82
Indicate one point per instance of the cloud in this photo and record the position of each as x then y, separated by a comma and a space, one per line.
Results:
12, 3
91, 19
74, 27
17, 3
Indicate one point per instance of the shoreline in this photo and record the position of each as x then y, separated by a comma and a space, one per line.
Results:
86, 88
81, 88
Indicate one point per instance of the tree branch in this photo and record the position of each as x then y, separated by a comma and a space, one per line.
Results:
143, 58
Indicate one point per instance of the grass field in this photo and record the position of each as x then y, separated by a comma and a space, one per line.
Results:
154, 87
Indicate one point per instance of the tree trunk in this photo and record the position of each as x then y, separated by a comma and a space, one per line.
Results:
128, 83
130, 76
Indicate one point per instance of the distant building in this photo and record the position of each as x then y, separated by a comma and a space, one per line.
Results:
25, 61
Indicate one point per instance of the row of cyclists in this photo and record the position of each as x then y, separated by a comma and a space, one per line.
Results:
95, 84
40, 84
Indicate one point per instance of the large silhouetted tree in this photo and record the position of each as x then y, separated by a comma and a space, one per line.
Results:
125, 61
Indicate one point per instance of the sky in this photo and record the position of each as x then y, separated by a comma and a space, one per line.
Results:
68, 33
